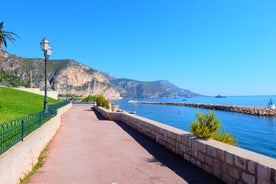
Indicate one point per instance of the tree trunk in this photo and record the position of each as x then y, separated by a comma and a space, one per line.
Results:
0, 53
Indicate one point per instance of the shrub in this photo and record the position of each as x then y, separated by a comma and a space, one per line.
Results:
206, 125
225, 137
89, 99
102, 101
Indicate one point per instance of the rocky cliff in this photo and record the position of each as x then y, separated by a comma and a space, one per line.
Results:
64, 76
138, 89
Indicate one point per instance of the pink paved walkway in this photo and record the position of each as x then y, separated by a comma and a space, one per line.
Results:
88, 150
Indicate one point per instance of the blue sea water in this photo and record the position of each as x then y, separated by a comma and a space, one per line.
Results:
255, 133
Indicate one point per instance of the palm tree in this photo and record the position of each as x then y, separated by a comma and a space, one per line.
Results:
4, 37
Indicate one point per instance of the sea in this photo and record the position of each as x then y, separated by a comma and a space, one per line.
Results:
255, 133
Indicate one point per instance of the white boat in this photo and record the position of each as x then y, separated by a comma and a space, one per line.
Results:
132, 101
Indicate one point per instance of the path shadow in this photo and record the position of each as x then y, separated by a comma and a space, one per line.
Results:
182, 168
98, 115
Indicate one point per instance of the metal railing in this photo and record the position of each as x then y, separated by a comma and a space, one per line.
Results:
13, 131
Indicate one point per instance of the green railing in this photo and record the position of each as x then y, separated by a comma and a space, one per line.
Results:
13, 131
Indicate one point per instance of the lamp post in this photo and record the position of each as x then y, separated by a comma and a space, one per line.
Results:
45, 46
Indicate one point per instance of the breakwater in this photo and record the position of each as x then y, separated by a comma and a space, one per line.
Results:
257, 111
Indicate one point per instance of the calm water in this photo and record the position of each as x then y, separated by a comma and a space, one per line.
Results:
254, 133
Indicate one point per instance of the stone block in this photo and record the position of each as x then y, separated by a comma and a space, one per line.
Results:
189, 150
225, 168
251, 167
249, 179
227, 178
173, 136
189, 142
185, 140
229, 158
201, 147
209, 161
198, 163
169, 134
193, 160
201, 157
263, 174
179, 138
211, 151
240, 162
182, 148
173, 149
187, 157
217, 168
234, 172
207, 168
221, 155
194, 148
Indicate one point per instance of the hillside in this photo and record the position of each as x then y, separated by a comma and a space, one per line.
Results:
70, 77
138, 89
13, 103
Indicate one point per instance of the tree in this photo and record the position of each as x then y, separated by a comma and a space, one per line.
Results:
206, 125
4, 37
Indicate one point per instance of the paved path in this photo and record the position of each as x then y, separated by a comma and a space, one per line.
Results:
89, 150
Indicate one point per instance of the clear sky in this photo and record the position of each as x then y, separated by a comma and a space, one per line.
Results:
212, 47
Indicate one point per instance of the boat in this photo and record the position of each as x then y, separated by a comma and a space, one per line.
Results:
270, 105
131, 112
220, 96
132, 101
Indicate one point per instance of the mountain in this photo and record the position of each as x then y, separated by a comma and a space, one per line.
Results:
137, 89
65, 76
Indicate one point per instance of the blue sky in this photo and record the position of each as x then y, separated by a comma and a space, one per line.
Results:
210, 47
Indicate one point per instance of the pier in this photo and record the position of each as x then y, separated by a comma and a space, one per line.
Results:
251, 110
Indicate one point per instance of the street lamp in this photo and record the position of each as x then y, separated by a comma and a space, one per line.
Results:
45, 46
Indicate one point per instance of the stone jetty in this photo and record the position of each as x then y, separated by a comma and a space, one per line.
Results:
251, 110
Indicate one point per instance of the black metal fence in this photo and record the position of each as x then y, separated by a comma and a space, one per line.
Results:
13, 131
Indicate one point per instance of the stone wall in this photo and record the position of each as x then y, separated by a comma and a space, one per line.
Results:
229, 163
258, 111
20, 159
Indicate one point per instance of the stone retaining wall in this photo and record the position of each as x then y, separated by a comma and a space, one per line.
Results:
20, 159
50, 93
259, 111
229, 163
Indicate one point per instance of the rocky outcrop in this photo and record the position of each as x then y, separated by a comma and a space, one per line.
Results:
64, 76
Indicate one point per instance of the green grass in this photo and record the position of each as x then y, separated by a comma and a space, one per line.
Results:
38, 165
16, 104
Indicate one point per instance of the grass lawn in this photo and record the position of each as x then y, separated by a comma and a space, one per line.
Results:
15, 103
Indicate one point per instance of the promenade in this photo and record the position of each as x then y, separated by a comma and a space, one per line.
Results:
88, 149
